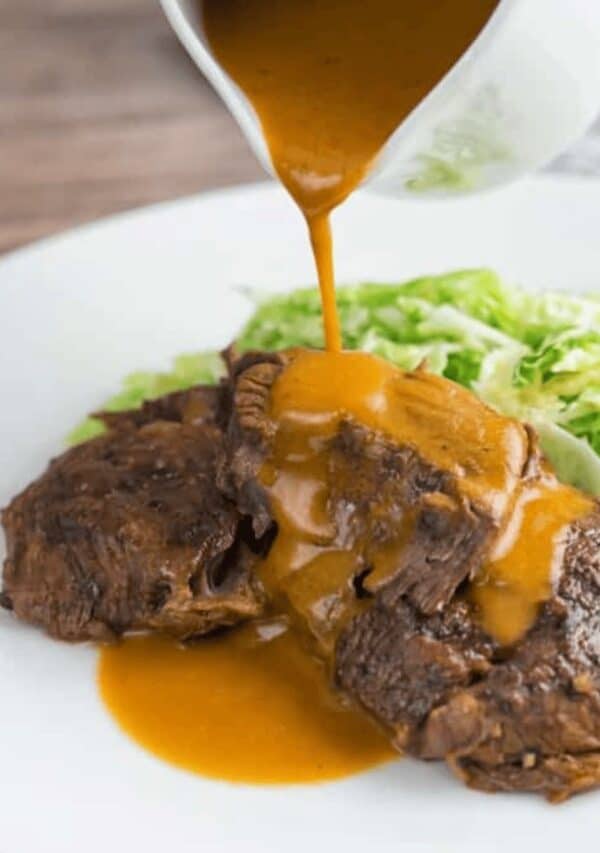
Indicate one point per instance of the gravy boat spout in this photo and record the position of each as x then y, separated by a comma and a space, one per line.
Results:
523, 92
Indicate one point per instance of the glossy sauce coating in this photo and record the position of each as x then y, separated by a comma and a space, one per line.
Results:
247, 706
450, 429
524, 563
330, 81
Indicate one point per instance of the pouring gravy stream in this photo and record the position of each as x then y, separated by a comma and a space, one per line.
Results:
330, 81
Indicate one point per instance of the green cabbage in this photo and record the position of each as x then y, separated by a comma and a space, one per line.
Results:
531, 356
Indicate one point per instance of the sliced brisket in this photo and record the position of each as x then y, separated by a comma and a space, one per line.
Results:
129, 531
526, 717
369, 478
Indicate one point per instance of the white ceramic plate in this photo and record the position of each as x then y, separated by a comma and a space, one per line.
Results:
77, 313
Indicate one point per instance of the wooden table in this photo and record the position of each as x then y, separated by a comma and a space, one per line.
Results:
101, 110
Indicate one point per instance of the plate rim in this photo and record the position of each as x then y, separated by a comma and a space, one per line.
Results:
90, 227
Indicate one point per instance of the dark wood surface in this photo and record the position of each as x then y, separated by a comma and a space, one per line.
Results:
101, 110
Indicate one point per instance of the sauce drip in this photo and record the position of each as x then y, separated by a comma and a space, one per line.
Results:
330, 81
525, 561
248, 706
312, 567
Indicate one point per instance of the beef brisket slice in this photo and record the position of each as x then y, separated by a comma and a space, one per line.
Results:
414, 642
522, 718
401, 664
525, 718
533, 722
128, 532
371, 482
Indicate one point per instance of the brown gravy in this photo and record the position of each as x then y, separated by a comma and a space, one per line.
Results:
522, 568
249, 706
330, 81
453, 431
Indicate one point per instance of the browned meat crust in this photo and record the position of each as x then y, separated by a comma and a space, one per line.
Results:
533, 723
129, 531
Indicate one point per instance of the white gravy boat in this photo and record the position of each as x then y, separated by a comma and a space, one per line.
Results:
526, 89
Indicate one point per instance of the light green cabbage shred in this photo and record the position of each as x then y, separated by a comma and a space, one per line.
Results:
531, 356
